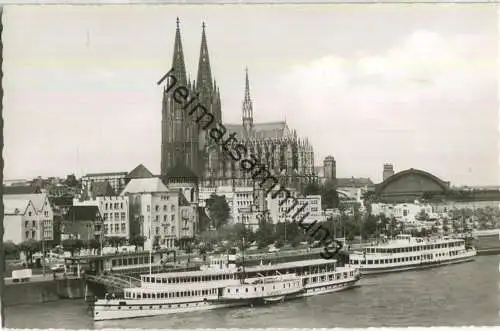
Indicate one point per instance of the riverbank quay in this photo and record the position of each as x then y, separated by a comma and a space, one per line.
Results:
40, 289
487, 242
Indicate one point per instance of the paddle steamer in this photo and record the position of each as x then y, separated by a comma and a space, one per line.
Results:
407, 253
222, 284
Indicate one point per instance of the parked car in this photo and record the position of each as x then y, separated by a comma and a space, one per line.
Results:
273, 249
22, 275
58, 268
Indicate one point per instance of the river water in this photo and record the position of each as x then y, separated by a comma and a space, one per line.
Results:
456, 295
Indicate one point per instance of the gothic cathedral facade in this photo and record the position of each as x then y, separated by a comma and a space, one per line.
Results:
286, 155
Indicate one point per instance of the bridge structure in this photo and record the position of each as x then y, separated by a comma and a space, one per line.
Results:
120, 262
116, 281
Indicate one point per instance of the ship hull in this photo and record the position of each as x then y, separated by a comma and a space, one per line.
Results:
112, 310
417, 266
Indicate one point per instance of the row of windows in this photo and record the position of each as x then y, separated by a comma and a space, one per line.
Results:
172, 218
157, 208
116, 228
204, 278
26, 224
413, 248
116, 216
181, 294
330, 277
176, 280
243, 195
255, 288
402, 259
131, 261
165, 230
167, 295
30, 234
116, 205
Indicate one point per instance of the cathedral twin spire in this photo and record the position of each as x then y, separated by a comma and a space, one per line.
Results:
181, 136
178, 60
204, 72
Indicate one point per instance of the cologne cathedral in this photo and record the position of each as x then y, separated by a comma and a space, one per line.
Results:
287, 156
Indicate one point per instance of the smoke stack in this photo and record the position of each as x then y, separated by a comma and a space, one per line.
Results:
388, 171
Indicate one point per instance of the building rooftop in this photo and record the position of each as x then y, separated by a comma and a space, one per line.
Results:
38, 199
104, 174
140, 172
101, 189
261, 130
144, 185
15, 206
20, 189
354, 182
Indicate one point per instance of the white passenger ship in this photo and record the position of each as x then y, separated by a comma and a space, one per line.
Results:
221, 284
406, 253
263, 289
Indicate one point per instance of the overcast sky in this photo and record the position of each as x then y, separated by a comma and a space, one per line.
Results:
415, 86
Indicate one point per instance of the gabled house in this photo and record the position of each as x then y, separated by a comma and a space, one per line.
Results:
44, 211
20, 221
82, 222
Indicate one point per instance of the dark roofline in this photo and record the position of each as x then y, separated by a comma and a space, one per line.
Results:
82, 213
106, 174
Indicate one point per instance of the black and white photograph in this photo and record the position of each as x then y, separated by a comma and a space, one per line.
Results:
183, 166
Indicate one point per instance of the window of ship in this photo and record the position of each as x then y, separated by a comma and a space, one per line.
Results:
254, 289
246, 290
136, 260
370, 261
237, 291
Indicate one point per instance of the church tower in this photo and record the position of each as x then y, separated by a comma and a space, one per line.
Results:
179, 132
247, 108
209, 97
